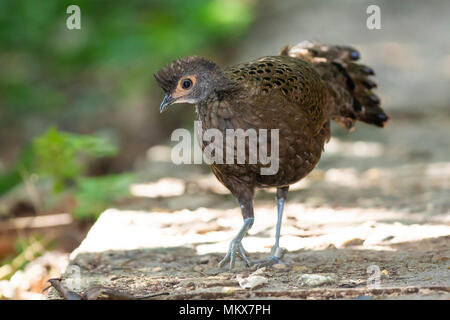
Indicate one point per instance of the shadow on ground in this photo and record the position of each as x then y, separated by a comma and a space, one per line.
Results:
406, 269
377, 206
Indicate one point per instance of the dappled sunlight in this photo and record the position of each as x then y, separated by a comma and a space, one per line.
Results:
209, 230
430, 174
344, 177
394, 215
354, 149
381, 188
166, 187
185, 246
159, 153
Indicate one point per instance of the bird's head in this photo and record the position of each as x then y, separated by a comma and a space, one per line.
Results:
188, 80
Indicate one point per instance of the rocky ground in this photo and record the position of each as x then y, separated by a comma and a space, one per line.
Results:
371, 222
376, 208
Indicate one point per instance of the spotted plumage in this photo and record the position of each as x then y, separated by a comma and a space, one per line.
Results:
297, 93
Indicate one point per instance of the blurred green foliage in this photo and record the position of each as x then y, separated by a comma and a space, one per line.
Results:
95, 194
52, 71
60, 154
26, 250
13, 176
63, 157
72, 78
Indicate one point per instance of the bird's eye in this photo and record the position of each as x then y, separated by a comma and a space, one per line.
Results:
187, 84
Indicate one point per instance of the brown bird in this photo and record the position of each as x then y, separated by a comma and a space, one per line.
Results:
297, 92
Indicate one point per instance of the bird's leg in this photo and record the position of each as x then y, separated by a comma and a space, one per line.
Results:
236, 247
277, 252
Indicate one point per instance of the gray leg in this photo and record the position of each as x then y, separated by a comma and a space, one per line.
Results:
246, 203
236, 245
277, 252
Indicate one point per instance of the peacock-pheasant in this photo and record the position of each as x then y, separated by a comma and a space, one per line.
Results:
297, 92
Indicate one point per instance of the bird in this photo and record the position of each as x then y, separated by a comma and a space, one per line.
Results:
298, 92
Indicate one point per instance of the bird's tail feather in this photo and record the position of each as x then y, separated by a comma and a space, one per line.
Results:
350, 87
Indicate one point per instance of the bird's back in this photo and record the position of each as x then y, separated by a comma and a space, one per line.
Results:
283, 82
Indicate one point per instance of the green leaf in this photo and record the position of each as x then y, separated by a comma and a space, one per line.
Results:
63, 155
95, 194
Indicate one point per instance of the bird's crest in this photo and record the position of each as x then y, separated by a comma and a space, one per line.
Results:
168, 76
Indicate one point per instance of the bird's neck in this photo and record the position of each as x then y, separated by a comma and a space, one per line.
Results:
203, 108
226, 90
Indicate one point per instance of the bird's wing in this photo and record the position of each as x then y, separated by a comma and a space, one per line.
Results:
283, 82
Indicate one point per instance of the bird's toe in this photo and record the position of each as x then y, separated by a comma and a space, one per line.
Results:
236, 248
270, 262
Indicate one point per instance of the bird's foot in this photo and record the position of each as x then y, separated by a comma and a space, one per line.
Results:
235, 248
275, 258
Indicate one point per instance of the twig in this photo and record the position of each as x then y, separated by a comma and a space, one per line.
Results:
96, 293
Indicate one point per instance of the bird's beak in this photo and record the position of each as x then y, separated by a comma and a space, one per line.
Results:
167, 101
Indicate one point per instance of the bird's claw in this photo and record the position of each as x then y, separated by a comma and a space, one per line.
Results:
235, 248
278, 252
275, 258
